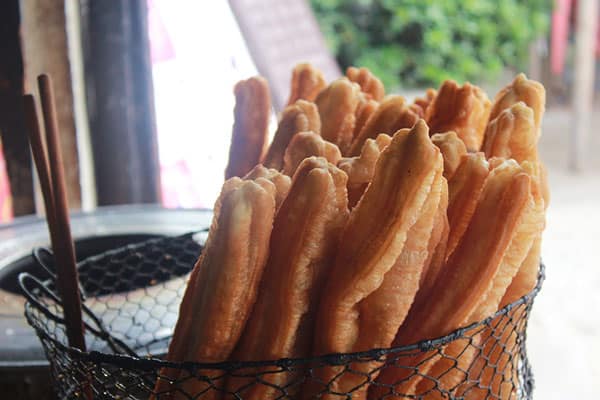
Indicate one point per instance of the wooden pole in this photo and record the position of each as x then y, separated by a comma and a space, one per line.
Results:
583, 87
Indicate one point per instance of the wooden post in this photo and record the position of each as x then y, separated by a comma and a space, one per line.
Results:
121, 102
583, 88
45, 50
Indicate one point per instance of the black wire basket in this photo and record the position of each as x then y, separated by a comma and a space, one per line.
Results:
131, 298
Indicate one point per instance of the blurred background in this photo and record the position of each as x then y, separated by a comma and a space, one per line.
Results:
144, 89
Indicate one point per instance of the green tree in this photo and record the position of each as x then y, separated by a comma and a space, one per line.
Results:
416, 43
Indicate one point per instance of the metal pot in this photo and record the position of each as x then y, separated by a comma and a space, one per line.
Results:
23, 366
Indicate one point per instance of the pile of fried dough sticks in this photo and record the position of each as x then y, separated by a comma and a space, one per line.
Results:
368, 222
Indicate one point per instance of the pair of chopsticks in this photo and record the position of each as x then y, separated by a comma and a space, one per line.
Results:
51, 176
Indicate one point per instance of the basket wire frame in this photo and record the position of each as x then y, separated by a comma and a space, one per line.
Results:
131, 299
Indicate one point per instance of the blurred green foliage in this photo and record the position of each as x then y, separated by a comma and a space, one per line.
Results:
416, 43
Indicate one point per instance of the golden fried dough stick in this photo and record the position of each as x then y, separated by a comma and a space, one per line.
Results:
526, 277
360, 169
372, 241
468, 273
178, 347
530, 92
364, 110
530, 225
303, 242
392, 115
250, 127
522, 256
301, 116
369, 83
226, 284
463, 109
436, 248
464, 190
452, 148
337, 106
308, 144
281, 181
512, 134
383, 311
307, 82
422, 103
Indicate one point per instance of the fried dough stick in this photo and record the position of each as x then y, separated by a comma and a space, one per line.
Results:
364, 110
462, 109
371, 243
307, 82
422, 103
436, 250
305, 236
531, 224
369, 83
225, 283
518, 283
250, 126
467, 276
530, 92
512, 134
360, 169
452, 149
301, 116
464, 189
337, 106
392, 115
533, 94
282, 182
308, 144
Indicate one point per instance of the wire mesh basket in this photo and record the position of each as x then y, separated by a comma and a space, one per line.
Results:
131, 301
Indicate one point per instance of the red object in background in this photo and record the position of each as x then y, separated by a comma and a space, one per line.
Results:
6, 211
563, 20
560, 35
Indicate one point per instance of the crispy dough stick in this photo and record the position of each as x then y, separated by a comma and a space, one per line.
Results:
531, 223
179, 343
365, 109
422, 103
467, 275
369, 83
303, 243
282, 182
512, 134
360, 169
462, 109
373, 240
337, 106
526, 277
250, 126
307, 82
231, 266
452, 149
392, 115
436, 248
464, 189
301, 116
383, 311
530, 92
308, 144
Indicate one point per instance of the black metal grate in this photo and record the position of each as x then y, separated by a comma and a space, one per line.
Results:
132, 298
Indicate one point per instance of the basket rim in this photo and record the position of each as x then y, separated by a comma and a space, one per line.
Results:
155, 363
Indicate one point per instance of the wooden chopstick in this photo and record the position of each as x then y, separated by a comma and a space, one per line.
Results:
40, 158
52, 181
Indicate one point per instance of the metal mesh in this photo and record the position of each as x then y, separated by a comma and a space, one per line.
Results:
131, 302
